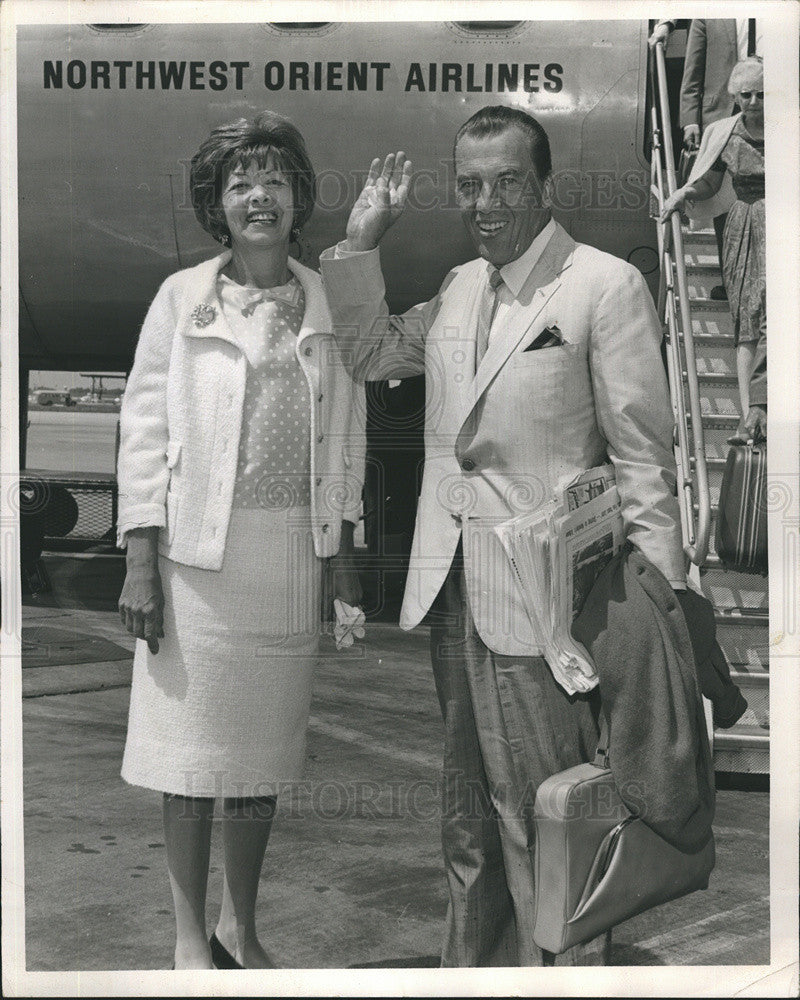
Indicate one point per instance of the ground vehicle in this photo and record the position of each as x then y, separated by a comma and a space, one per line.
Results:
52, 397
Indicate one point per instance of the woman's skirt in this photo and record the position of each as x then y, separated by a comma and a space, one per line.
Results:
744, 269
222, 708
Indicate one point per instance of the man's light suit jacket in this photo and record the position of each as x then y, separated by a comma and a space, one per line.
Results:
498, 442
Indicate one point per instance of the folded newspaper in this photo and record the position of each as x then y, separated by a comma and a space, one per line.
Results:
557, 553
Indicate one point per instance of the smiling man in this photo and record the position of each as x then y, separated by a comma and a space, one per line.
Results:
542, 360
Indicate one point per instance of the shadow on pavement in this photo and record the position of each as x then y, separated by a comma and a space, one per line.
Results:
423, 962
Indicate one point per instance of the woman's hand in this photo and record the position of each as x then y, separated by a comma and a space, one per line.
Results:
675, 203
380, 203
141, 603
345, 583
755, 425
341, 578
342, 570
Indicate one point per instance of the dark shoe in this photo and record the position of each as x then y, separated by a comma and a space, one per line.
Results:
718, 293
220, 955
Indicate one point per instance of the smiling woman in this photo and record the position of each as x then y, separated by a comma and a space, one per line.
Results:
240, 476
258, 204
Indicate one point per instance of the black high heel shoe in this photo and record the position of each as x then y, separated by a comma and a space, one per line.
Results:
220, 955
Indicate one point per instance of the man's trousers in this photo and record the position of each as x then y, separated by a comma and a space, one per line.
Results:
508, 727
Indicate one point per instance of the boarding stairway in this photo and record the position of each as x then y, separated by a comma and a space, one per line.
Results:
705, 398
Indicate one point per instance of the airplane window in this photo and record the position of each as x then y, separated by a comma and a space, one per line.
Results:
298, 25
481, 26
118, 26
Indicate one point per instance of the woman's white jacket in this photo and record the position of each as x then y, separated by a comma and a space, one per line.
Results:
714, 141
181, 420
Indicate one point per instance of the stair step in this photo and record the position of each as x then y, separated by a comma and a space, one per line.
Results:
752, 680
756, 715
719, 361
747, 761
720, 399
744, 638
727, 589
699, 237
746, 647
744, 616
721, 422
703, 304
715, 438
710, 266
741, 750
741, 737
701, 255
710, 340
715, 378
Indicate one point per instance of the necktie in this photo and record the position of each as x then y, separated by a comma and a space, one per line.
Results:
751, 36
486, 314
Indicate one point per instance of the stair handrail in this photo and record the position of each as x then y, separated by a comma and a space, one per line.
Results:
696, 530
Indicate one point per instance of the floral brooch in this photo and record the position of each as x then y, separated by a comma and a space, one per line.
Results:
204, 314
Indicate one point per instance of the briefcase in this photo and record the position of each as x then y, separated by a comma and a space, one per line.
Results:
741, 532
598, 864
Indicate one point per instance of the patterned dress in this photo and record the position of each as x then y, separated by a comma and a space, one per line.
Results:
222, 708
744, 238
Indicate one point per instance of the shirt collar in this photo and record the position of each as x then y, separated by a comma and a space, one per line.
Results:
247, 296
517, 272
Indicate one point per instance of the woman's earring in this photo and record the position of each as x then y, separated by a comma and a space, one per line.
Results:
225, 239
296, 233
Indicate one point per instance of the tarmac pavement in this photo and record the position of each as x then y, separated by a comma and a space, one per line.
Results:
353, 875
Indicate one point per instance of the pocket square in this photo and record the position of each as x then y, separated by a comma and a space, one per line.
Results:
551, 336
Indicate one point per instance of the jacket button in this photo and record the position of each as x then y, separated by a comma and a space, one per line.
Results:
467, 465
319, 398
324, 527
321, 438
318, 480
307, 352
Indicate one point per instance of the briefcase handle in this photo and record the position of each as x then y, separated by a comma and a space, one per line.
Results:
601, 754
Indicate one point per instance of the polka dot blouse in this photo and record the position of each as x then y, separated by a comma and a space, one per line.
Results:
274, 448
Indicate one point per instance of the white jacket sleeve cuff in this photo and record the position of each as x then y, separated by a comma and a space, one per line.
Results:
150, 515
353, 277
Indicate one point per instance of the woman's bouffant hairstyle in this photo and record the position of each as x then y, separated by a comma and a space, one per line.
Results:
742, 70
239, 142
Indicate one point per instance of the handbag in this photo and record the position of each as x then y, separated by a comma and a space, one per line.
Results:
740, 537
596, 863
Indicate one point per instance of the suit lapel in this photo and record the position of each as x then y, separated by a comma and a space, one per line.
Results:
544, 281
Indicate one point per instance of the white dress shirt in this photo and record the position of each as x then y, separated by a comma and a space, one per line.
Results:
516, 273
